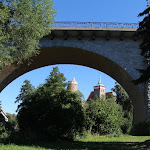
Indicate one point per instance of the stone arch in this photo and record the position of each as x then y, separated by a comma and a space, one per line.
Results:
69, 55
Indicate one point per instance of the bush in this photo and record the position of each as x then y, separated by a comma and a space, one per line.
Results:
104, 117
142, 128
8, 129
122, 98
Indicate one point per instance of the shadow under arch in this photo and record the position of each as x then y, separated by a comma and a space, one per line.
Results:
69, 55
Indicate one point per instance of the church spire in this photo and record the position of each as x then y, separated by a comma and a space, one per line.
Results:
99, 81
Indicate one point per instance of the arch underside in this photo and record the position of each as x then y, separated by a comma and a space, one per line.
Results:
69, 55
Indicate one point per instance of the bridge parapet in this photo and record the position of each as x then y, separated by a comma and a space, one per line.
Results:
93, 30
96, 24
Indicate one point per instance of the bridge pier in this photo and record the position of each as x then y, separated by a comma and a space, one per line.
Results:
147, 99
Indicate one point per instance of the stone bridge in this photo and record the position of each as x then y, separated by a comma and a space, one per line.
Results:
112, 48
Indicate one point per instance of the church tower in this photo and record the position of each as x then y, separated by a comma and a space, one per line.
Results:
73, 85
99, 89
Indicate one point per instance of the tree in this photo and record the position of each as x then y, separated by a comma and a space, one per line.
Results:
122, 98
25, 93
144, 32
110, 96
51, 110
22, 24
104, 117
56, 79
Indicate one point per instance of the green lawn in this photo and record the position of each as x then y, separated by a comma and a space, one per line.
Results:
90, 143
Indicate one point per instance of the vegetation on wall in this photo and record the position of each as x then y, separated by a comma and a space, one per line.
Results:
144, 32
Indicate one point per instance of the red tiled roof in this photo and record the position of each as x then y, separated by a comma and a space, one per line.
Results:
91, 96
109, 93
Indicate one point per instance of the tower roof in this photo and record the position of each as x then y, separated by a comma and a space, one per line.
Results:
99, 82
73, 81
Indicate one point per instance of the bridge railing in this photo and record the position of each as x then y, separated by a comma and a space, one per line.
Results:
96, 24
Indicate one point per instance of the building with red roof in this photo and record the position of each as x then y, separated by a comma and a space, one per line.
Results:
99, 90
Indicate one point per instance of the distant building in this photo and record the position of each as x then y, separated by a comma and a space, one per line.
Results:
73, 85
99, 90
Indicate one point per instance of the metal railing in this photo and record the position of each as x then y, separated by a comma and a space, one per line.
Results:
95, 24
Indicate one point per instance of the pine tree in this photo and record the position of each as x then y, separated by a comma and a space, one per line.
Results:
25, 92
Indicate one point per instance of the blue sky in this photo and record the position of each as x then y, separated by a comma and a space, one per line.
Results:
78, 10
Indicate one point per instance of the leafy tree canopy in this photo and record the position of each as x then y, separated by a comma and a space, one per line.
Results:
22, 24
51, 110
144, 32
104, 117
122, 98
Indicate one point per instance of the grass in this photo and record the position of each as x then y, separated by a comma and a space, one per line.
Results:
122, 138
94, 142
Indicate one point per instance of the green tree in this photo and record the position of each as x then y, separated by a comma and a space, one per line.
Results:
52, 111
104, 117
110, 96
4, 131
22, 24
26, 91
123, 99
144, 32
56, 79
2, 127
12, 123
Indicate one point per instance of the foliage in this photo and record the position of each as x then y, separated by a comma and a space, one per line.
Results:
104, 117
3, 132
144, 32
142, 128
7, 128
122, 98
51, 110
26, 91
12, 123
110, 96
22, 24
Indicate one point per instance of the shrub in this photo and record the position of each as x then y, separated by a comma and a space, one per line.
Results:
104, 117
